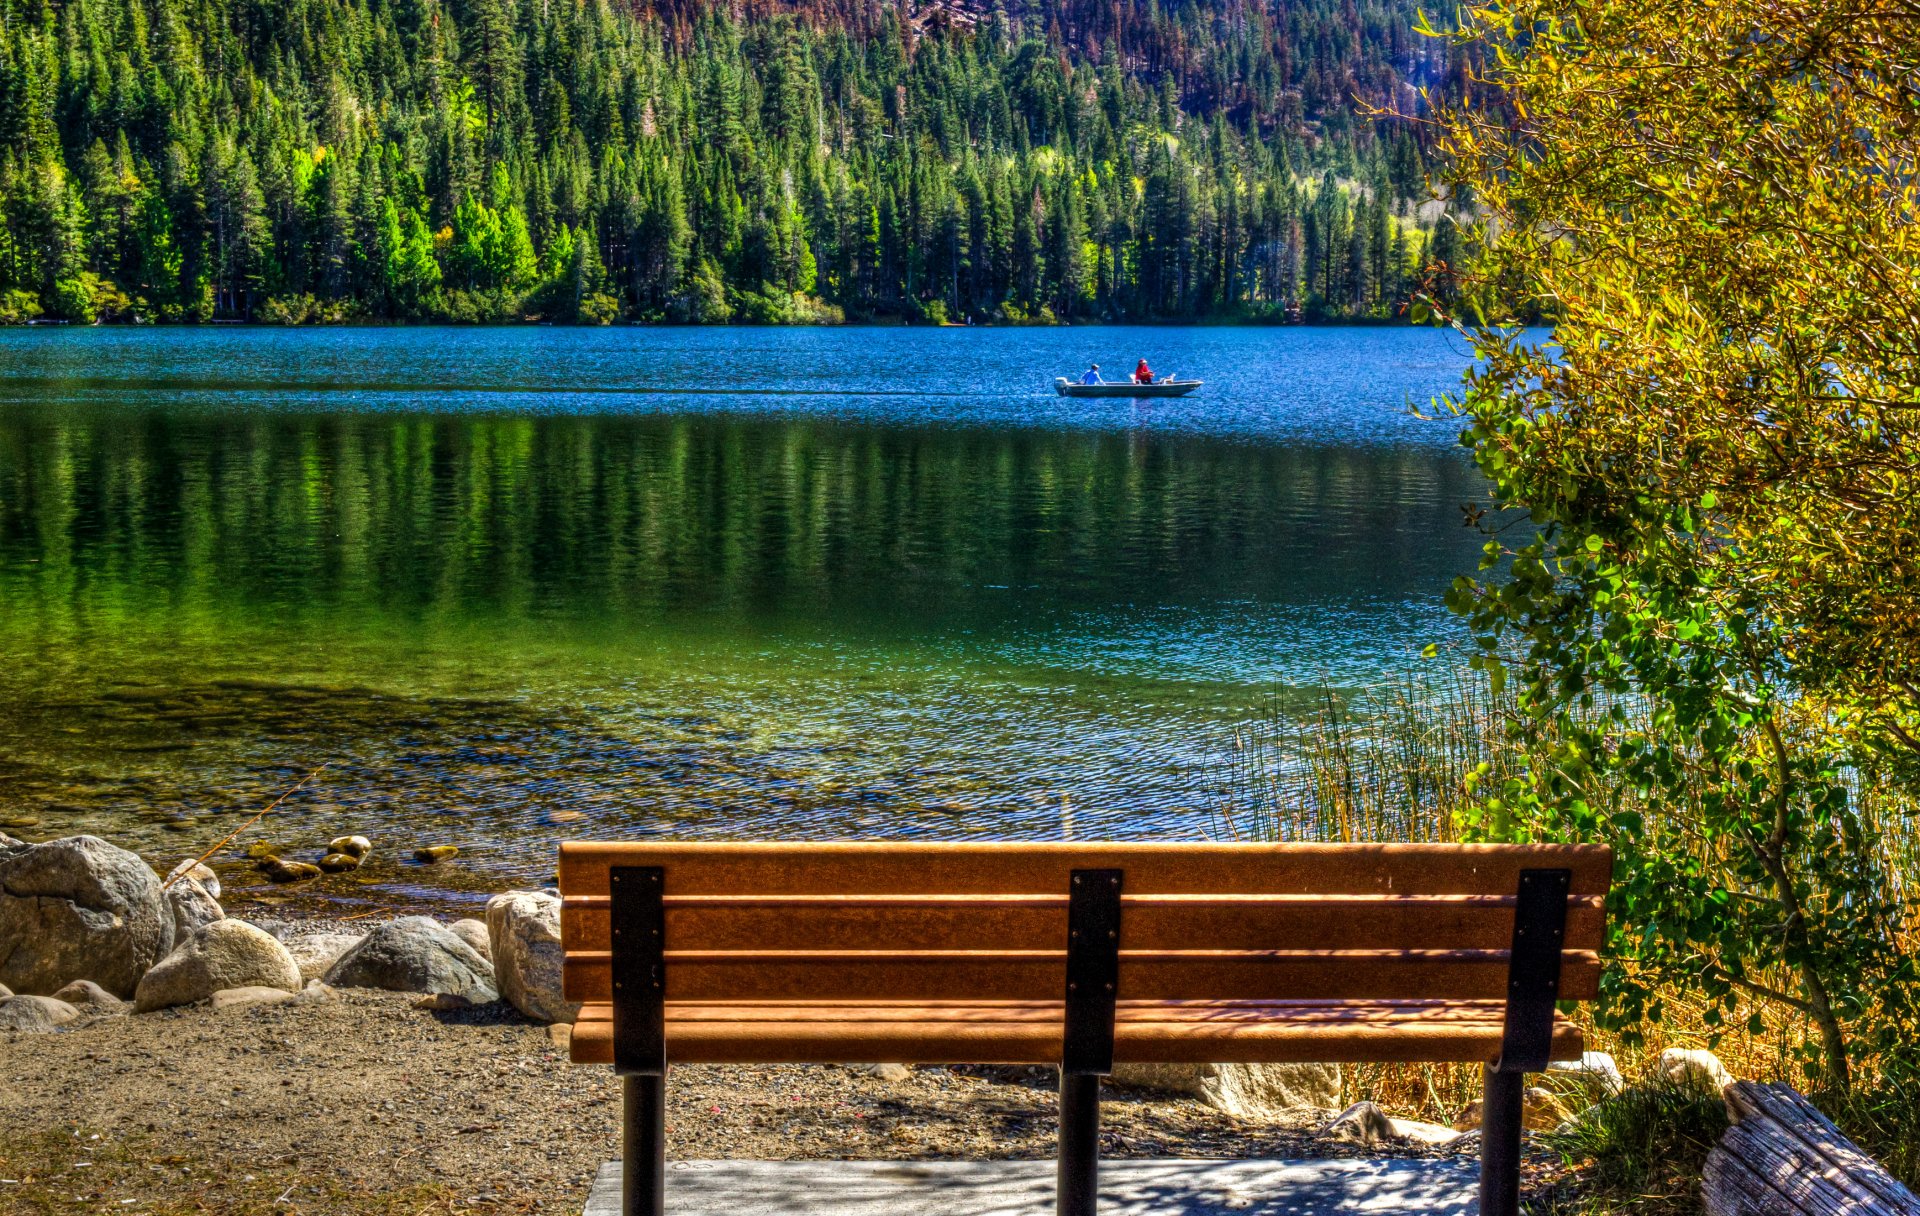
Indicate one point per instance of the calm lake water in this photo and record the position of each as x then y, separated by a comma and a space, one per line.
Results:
517, 585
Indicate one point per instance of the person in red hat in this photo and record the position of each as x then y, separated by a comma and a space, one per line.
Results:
1143, 374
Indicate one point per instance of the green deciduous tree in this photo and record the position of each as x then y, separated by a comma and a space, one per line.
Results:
1713, 606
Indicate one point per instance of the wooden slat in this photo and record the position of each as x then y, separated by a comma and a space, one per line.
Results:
1152, 868
1026, 922
1030, 1034
1036, 975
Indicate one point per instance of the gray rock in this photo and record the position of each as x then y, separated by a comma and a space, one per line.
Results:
254, 994
316, 953
35, 1013
224, 954
199, 873
1363, 1123
475, 934
78, 908
416, 954
5, 992
89, 997
193, 906
1245, 1091
524, 927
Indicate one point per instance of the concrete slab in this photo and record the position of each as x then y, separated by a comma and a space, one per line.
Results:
1025, 1188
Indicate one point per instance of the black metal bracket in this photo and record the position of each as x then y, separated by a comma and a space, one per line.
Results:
1533, 970
1093, 972
639, 970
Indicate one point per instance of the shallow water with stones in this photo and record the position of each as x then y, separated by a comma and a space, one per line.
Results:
513, 586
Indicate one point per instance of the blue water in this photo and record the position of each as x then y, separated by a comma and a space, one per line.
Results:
523, 583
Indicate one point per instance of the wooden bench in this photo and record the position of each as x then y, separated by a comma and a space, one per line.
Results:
1078, 955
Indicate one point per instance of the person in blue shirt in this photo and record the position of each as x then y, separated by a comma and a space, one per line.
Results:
1092, 376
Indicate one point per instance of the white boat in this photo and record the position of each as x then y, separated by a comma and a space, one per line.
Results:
1126, 388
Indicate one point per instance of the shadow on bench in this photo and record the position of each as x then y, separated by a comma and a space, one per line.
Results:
1078, 955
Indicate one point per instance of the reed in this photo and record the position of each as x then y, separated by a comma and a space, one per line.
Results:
1399, 762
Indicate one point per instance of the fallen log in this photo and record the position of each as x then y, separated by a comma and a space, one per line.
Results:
1782, 1157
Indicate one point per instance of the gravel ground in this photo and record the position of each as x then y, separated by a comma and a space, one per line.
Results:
363, 1104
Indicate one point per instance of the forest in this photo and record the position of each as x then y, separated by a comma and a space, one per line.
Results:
586, 161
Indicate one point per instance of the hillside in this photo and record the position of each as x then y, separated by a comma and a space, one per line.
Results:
764, 161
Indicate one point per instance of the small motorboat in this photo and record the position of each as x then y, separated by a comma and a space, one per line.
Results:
1169, 387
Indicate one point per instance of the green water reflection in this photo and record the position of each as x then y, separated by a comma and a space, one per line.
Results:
498, 629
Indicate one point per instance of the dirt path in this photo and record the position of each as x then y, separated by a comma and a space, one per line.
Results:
362, 1104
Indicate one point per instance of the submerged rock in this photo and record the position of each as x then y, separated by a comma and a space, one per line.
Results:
435, 854
79, 908
353, 846
339, 863
283, 871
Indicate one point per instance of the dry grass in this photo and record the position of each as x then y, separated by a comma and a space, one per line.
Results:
1392, 763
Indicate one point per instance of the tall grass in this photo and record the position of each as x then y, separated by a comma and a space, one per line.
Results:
1392, 763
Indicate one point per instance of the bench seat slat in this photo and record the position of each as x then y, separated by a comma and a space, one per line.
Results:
1028, 1032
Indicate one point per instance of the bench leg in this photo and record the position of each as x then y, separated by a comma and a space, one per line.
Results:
643, 1171
1500, 1125
1079, 1176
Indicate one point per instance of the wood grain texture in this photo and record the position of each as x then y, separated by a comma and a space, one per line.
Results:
1018, 867
1784, 1158
1465, 975
1252, 953
1030, 1032
1030, 922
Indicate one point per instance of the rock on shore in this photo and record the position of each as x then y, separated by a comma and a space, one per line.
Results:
525, 930
79, 908
224, 954
416, 954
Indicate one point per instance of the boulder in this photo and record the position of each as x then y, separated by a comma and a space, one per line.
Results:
1596, 1066
224, 954
89, 997
253, 994
1363, 1123
476, 934
192, 906
280, 870
1691, 1066
316, 953
416, 954
79, 908
435, 854
35, 1013
524, 927
1246, 1091
199, 873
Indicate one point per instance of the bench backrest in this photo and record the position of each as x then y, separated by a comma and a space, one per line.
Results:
930, 922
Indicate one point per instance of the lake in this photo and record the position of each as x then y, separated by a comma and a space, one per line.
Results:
515, 585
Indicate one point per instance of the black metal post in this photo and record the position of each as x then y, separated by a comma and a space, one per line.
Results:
1086, 1048
643, 1169
1079, 1177
1500, 1112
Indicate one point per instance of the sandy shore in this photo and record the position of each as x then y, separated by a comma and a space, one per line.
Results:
363, 1104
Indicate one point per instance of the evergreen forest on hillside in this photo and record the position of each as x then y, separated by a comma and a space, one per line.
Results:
580, 160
